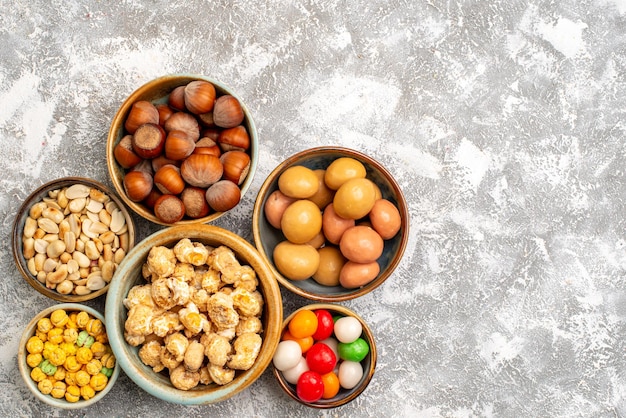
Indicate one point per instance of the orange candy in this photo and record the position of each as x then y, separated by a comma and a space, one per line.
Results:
303, 324
304, 343
331, 385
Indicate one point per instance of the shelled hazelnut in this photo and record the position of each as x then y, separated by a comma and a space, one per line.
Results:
192, 146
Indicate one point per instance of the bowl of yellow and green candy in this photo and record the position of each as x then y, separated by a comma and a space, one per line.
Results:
64, 356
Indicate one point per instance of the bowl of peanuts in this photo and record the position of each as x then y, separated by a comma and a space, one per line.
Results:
69, 236
182, 149
326, 357
194, 314
332, 222
64, 356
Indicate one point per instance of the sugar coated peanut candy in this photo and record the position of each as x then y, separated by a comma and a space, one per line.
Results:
82, 378
58, 390
45, 386
98, 382
72, 393
87, 392
37, 374
71, 364
55, 335
44, 325
83, 355
48, 368
34, 359
59, 318
34, 345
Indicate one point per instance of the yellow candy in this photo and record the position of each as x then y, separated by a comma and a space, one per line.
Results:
44, 325
60, 374
45, 386
72, 394
57, 356
82, 378
68, 348
108, 360
87, 392
33, 360
102, 338
70, 378
43, 336
37, 374
59, 318
70, 335
83, 355
71, 364
55, 335
98, 349
82, 319
71, 322
58, 390
95, 327
34, 345
98, 382
93, 367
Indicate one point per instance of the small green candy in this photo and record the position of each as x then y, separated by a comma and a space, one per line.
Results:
82, 337
89, 341
354, 351
48, 368
106, 371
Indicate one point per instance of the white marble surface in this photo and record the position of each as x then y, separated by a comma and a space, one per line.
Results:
502, 120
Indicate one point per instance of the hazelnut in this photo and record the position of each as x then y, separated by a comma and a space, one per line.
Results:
227, 112
201, 170
199, 96
195, 203
169, 209
234, 138
141, 112
223, 195
236, 166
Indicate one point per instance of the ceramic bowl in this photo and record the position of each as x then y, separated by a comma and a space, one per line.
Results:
25, 369
266, 237
368, 363
157, 91
25, 266
129, 274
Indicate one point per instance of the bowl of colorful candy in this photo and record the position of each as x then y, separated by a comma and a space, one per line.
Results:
326, 356
332, 223
64, 356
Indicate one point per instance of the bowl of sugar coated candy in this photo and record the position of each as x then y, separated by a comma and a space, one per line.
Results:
332, 223
326, 357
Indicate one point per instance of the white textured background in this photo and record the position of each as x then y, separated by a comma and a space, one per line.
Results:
502, 121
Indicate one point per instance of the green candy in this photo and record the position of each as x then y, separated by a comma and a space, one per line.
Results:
48, 368
82, 338
354, 351
106, 371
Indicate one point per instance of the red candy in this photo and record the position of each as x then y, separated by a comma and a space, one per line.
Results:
310, 386
321, 358
325, 325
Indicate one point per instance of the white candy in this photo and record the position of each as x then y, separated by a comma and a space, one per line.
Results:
292, 375
348, 329
287, 355
332, 343
350, 373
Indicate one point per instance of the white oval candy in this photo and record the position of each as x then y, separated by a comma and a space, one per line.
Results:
292, 375
348, 329
350, 373
287, 355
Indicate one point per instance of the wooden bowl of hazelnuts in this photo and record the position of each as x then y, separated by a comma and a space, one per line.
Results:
182, 149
